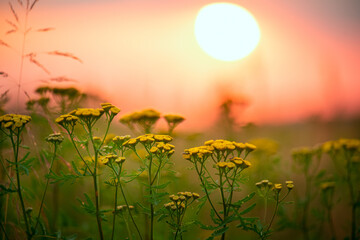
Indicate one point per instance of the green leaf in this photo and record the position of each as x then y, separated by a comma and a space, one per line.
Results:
214, 218
145, 209
248, 209
220, 231
162, 186
239, 203
90, 208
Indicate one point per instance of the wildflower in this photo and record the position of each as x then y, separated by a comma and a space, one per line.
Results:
55, 138
104, 160
289, 185
195, 195
130, 143
66, 120
173, 118
277, 187
154, 149
230, 165
14, 121
221, 164
119, 140
249, 147
120, 160
327, 185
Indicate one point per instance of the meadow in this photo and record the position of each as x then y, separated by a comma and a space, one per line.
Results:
93, 173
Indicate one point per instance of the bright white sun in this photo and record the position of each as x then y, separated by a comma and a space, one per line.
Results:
226, 31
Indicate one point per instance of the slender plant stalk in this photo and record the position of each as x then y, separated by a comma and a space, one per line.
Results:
16, 156
352, 196
207, 193
46, 186
275, 210
8, 195
127, 226
151, 204
115, 206
3, 230
331, 223
127, 205
223, 200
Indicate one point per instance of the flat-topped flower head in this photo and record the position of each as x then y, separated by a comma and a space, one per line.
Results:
277, 187
120, 160
88, 114
249, 147
195, 195
104, 160
230, 165
327, 186
120, 139
303, 152
130, 143
174, 118
14, 121
163, 138
109, 108
221, 165
55, 138
289, 184
67, 120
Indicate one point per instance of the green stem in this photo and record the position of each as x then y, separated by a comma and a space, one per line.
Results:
127, 205
115, 207
3, 229
96, 190
46, 186
273, 216
223, 200
207, 193
352, 196
151, 204
331, 223
78, 152
127, 226
98, 218
16, 155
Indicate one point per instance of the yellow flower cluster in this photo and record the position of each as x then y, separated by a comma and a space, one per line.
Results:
119, 140
173, 118
327, 186
180, 201
303, 152
66, 120
144, 115
88, 113
110, 158
14, 121
266, 185
346, 144
120, 208
55, 138
111, 108
213, 147
155, 142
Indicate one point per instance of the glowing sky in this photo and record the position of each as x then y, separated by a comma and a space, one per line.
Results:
139, 54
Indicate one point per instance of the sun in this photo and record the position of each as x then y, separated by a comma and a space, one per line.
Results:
226, 31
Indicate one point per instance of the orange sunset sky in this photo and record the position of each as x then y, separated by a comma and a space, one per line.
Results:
143, 53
